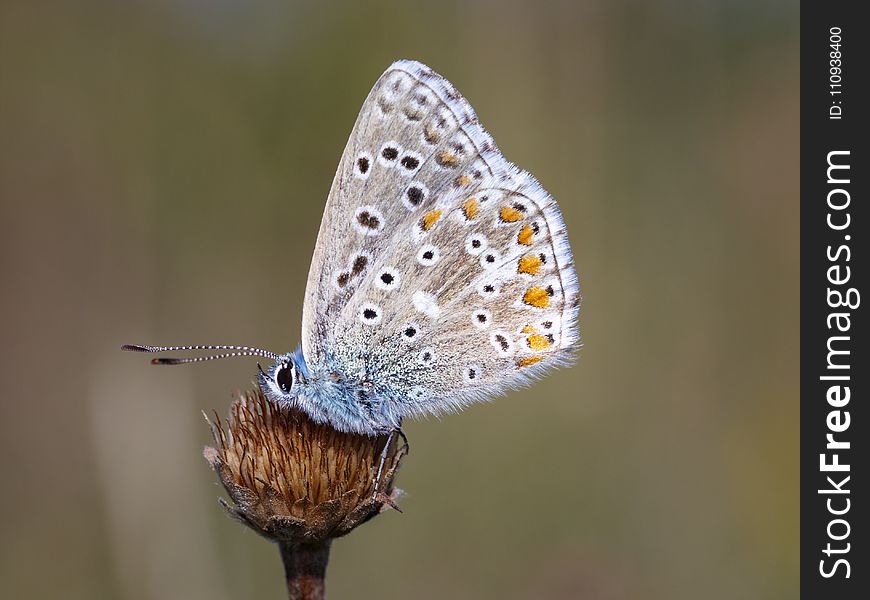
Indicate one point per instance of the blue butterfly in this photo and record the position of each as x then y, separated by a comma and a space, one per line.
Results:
442, 273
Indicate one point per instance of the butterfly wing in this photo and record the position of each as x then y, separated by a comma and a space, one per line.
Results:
442, 273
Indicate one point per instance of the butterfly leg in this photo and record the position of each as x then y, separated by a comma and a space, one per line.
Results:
393, 432
404, 439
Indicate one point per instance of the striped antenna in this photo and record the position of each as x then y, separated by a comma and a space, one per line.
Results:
235, 351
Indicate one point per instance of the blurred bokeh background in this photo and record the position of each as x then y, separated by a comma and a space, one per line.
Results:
163, 169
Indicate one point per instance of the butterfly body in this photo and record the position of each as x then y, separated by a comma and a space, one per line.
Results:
330, 394
442, 273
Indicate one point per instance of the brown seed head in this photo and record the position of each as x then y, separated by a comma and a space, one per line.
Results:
296, 481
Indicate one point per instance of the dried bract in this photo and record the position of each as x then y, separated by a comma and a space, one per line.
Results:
295, 481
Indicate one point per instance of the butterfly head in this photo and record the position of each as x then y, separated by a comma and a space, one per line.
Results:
280, 382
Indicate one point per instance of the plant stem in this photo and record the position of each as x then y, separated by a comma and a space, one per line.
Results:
305, 569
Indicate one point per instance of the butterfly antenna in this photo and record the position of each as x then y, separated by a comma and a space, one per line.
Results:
235, 351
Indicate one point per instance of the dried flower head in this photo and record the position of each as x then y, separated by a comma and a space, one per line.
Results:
295, 481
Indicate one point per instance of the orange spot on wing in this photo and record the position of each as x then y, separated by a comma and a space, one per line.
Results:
530, 264
537, 297
429, 134
538, 342
529, 361
470, 208
528, 329
509, 214
429, 219
446, 159
463, 180
526, 234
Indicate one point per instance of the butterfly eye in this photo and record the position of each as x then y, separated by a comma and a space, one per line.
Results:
284, 377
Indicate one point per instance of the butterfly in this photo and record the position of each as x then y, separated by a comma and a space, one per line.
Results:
442, 273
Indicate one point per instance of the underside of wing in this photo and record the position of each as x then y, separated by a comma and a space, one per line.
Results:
442, 273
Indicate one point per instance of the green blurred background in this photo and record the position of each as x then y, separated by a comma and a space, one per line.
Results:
163, 169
